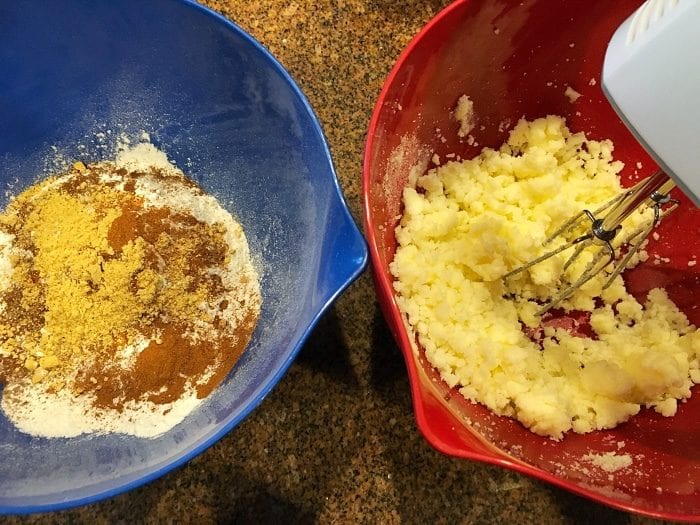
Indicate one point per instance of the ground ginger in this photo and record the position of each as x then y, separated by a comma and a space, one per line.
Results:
95, 269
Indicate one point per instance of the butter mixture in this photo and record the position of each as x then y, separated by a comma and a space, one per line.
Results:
126, 296
466, 224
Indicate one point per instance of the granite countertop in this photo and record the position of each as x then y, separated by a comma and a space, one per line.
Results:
336, 440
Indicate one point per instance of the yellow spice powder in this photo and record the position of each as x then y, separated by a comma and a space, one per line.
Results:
86, 296
127, 294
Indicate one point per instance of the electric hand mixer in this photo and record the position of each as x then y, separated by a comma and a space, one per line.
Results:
651, 77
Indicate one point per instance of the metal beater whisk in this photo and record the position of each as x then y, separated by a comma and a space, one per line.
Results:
650, 192
641, 80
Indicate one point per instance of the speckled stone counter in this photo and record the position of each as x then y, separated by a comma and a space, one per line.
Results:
336, 441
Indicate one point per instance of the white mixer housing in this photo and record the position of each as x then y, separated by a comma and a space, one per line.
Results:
651, 76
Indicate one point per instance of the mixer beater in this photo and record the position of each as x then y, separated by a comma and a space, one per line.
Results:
642, 80
654, 192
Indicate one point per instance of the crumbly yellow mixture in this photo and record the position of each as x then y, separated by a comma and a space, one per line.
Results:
84, 282
466, 224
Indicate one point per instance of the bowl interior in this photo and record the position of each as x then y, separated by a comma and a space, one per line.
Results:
75, 75
516, 60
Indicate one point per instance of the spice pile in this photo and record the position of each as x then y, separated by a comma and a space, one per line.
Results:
126, 296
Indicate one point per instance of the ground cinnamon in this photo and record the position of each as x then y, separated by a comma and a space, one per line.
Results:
117, 299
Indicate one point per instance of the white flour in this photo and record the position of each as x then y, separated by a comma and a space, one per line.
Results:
142, 157
34, 411
65, 415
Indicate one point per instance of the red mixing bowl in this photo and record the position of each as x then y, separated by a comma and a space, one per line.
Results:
514, 60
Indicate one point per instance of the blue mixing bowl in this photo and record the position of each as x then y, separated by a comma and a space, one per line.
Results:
76, 73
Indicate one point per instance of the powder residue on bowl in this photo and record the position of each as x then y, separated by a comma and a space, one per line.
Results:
466, 224
609, 461
127, 296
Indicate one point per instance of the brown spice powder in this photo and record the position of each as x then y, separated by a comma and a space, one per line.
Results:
97, 271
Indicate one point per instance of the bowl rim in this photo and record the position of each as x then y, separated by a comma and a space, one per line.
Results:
356, 268
395, 320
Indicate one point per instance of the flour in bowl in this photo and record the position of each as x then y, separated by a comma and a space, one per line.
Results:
127, 295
